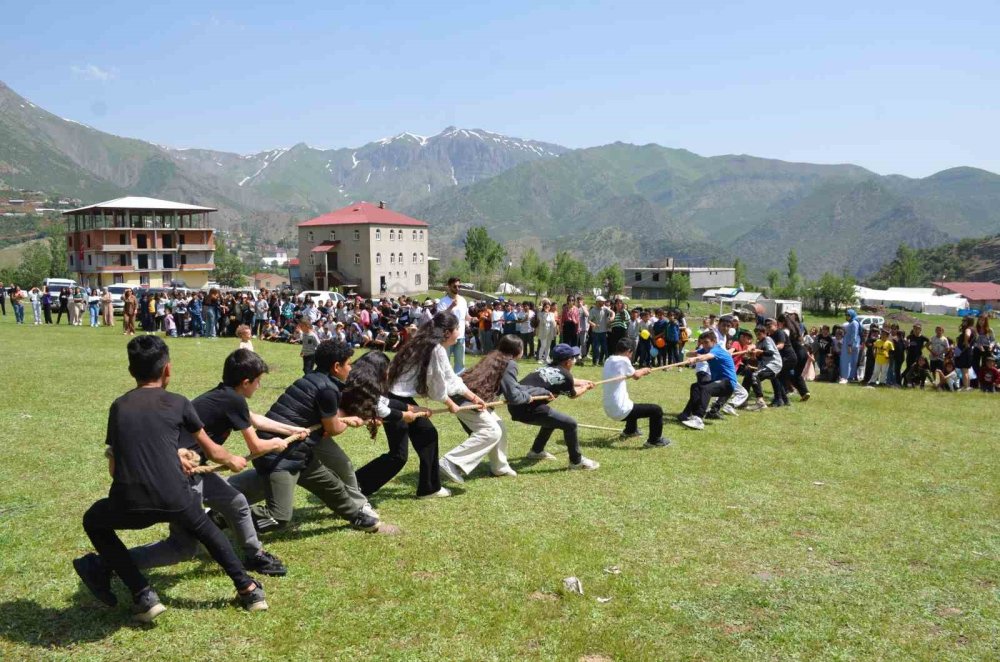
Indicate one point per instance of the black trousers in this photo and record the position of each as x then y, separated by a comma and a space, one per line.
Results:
47, 311
702, 392
549, 420
755, 377
62, 309
424, 437
102, 520
655, 415
791, 376
3, 305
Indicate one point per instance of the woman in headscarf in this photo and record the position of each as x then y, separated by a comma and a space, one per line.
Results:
849, 353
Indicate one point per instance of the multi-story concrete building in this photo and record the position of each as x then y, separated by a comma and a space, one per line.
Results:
140, 241
651, 282
364, 246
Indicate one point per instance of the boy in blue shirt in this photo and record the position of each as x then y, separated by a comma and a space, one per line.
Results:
720, 381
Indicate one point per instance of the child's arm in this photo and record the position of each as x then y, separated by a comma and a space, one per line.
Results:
581, 386
641, 372
218, 453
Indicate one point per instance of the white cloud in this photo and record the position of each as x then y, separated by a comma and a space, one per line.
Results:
94, 72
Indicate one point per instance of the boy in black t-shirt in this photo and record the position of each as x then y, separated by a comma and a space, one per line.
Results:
316, 463
149, 485
556, 379
223, 410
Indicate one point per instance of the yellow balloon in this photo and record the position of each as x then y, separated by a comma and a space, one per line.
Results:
644, 334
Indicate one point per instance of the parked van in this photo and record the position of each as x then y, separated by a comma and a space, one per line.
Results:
57, 285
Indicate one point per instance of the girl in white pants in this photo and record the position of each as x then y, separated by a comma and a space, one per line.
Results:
546, 330
487, 436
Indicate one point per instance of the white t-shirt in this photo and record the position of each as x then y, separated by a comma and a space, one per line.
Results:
617, 404
461, 311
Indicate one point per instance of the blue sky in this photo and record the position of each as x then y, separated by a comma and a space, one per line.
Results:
908, 88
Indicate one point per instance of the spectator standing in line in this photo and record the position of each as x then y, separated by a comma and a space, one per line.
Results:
35, 297
600, 320
3, 299
456, 304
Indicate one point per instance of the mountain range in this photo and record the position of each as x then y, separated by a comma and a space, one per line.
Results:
614, 203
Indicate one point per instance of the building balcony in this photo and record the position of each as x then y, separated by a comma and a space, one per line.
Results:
196, 247
197, 267
115, 267
117, 248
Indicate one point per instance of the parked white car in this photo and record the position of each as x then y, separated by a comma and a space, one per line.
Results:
321, 298
867, 320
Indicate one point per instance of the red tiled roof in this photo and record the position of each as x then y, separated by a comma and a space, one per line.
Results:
363, 213
326, 246
972, 291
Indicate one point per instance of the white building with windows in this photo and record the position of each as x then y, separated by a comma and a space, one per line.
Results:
365, 247
651, 282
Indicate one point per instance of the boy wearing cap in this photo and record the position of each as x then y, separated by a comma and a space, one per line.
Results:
555, 379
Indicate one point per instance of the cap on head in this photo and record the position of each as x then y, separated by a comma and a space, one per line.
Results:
563, 352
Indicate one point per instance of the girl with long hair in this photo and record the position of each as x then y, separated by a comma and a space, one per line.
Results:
796, 380
985, 343
364, 394
547, 324
422, 368
964, 354
487, 435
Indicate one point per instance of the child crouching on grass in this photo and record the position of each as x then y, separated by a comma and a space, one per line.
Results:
617, 404
149, 485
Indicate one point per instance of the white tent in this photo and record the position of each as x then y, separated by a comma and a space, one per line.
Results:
916, 299
507, 288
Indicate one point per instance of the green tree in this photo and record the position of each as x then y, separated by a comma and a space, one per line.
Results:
793, 266
228, 270
832, 292
773, 278
569, 274
611, 278
678, 288
906, 268
36, 262
59, 267
482, 253
741, 272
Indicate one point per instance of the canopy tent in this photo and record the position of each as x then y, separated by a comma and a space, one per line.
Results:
916, 299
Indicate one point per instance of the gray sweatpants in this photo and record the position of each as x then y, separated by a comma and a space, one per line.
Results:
219, 495
329, 475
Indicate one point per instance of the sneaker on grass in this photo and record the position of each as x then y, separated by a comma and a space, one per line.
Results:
659, 443
451, 470
266, 564
253, 600
96, 577
714, 416
729, 409
694, 422
440, 494
544, 455
146, 606
631, 435
585, 464
506, 471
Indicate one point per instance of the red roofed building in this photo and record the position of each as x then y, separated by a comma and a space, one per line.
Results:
364, 246
980, 295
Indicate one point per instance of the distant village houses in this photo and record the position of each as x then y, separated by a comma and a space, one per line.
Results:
650, 282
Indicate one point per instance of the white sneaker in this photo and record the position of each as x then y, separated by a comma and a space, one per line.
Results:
506, 471
585, 464
369, 510
440, 494
728, 409
841, 381
449, 469
695, 423
544, 455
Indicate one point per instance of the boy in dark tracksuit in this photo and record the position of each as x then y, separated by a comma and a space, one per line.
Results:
316, 463
149, 485
555, 379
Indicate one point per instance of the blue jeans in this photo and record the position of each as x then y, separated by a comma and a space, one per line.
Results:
19, 313
197, 326
457, 352
94, 312
210, 322
599, 346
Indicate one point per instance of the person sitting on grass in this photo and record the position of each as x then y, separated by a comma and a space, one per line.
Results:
555, 379
617, 404
720, 382
989, 376
149, 485
224, 410
918, 374
948, 377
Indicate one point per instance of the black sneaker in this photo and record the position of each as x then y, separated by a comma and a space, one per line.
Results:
365, 522
775, 403
266, 564
264, 524
714, 416
253, 600
631, 435
146, 606
659, 443
96, 577
218, 520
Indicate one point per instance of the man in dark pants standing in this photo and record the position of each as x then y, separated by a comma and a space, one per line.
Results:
3, 299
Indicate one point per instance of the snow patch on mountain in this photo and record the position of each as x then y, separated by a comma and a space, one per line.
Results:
269, 158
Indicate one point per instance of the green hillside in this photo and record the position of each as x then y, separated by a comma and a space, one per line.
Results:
969, 259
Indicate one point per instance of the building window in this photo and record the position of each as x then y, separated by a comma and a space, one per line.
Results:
88, 241
656, 277
311, 260
392, 235
69, 240
638, 276
309, 236
333, 235
378, 258
416, 279
421, 235
357, 235
421, 258
392, 258
144, 279
117, 279
357, 258
414, 259
378, 234
414, 235
89, 261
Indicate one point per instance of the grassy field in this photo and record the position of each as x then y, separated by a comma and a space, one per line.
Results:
860, 525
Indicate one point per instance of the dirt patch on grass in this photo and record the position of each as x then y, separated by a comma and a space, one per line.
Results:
541, 596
